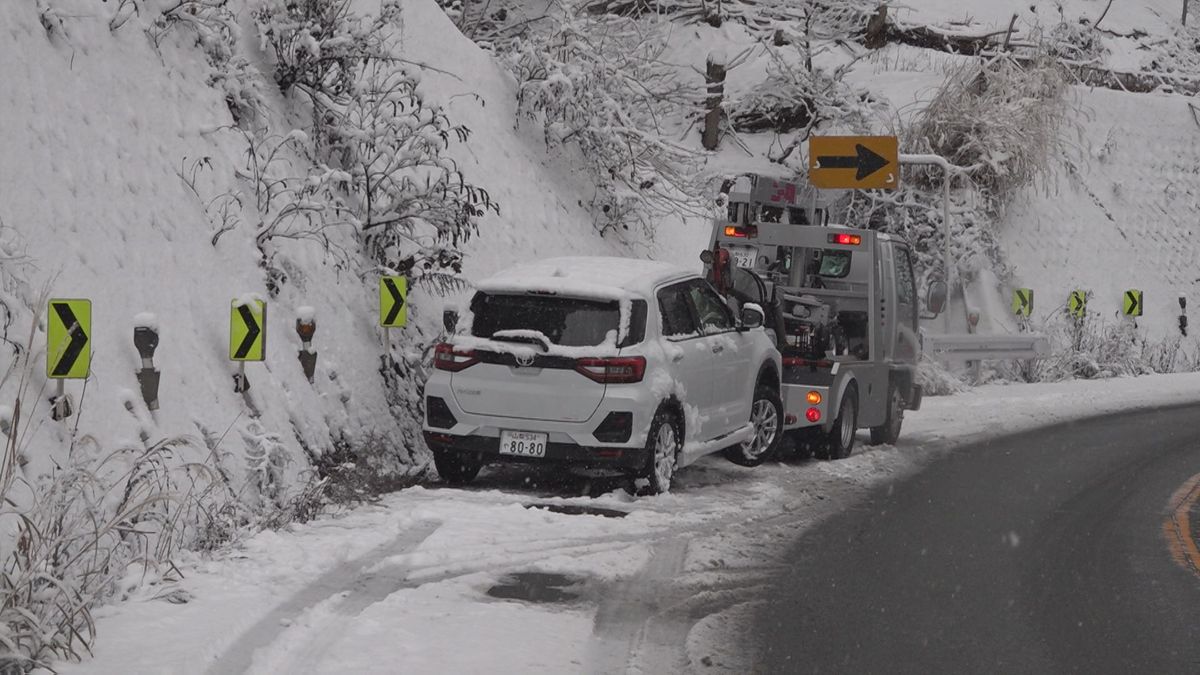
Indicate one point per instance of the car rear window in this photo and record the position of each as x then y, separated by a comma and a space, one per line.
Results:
569, 322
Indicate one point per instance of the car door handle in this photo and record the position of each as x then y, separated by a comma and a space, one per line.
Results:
717, 349
677, 358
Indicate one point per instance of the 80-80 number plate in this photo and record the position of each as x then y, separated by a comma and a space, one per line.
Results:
523, 443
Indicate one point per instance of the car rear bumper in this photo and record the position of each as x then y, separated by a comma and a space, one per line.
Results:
624, 459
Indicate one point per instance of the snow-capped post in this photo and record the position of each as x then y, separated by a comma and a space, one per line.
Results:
1183, 314
306, 326
715, 77
145, 339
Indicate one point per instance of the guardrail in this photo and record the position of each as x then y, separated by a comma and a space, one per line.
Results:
984, 347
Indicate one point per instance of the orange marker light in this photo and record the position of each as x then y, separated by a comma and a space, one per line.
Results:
813, 397
732, 231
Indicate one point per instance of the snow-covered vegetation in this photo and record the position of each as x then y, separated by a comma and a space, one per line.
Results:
166, 156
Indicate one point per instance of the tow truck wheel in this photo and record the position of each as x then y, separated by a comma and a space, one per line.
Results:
889, 431
839, 442
766, 415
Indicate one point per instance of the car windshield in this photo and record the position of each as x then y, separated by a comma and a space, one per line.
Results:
569, 322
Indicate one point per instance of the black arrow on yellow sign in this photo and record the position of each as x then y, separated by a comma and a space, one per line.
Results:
252, 332
397, 301
1133, 303
865, 160
78, 341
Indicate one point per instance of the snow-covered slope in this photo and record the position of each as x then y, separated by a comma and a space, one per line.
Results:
103, 134
1126, 220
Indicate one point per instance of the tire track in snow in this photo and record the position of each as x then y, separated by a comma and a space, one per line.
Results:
239, 657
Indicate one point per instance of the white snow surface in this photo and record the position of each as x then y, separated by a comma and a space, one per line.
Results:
406, 581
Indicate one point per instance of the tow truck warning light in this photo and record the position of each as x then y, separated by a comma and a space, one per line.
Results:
845, 239
742, 232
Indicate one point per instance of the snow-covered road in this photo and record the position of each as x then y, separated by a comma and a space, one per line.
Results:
516, 574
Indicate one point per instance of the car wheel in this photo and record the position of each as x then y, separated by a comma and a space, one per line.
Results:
889, 431
839, 442
457, 468
766, 415
663, 443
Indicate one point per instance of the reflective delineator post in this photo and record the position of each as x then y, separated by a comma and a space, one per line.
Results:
306, 326
60, 403
145, 338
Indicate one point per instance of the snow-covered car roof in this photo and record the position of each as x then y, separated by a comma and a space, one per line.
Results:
585, 276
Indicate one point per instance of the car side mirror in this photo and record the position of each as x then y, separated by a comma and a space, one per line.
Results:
753, 316
935, 298
450, 320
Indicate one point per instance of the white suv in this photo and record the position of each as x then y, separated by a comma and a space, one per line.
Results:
606, 363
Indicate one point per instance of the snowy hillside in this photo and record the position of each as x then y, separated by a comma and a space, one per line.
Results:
115, 149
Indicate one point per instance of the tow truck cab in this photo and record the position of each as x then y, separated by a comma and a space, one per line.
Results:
841, 301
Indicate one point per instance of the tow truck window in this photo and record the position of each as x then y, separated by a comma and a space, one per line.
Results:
770, 214
834, 264
797, 216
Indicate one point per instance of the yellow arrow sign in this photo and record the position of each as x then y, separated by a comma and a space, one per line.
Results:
248, 330
854, 162
1077, 304
1133, 303
68, 339
393, 302
1022, 304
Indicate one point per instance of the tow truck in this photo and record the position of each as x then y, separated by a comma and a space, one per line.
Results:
841, 301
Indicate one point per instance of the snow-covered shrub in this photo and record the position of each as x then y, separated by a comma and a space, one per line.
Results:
936, 379
601, 85
377, 140
914, 212
1000, 121
838, 18
217, 31
321, 47
1075, 41
415, 207
1094, 349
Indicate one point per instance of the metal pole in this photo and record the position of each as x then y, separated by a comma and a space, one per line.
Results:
947, 172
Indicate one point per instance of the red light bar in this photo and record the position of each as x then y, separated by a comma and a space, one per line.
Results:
845, 239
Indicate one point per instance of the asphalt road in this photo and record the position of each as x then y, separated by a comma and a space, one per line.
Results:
1039, 553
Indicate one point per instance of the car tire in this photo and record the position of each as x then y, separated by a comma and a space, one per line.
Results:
889, 431
457, 468
663, 444
839, 442
766, 414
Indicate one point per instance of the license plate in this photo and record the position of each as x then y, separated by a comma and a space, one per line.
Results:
523, 443
743, 256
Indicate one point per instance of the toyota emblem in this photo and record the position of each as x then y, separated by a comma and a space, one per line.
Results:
524, 360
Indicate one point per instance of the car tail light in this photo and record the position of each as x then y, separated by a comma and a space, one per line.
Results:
614, 370
813, 414
447, 357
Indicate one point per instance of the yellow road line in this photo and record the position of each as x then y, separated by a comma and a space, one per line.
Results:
1178, 527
